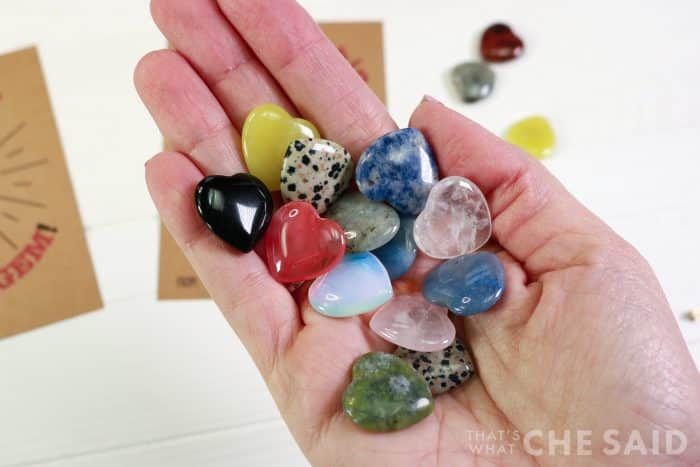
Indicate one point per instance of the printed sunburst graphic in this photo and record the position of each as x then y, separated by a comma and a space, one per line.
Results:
46, 273
20, 211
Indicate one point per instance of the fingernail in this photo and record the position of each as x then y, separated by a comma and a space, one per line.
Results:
428, 98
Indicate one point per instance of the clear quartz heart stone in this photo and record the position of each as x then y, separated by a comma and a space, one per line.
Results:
456, 220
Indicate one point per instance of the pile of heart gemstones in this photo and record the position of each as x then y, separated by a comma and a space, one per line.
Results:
366, 239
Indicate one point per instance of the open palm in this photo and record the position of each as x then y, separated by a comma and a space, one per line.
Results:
583, 339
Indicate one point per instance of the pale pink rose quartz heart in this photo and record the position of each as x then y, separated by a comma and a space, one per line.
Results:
411, 322
455, 221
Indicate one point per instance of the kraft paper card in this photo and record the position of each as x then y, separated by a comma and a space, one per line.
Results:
46, 273
362, 44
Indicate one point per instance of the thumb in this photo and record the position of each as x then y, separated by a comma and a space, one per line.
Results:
534, 217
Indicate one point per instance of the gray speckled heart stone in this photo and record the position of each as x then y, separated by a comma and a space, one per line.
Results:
367, 224
473, 81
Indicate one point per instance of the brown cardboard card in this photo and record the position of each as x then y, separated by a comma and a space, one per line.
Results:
176, 279
46, 273
362, 44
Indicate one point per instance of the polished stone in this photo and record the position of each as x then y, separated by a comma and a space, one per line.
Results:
534, 135
456, 220
411, 322
316, 171
238, 209
442, 370
291, 257
398, 168
386, 394
467, 285
399, 254
500, 44
367, 224
473, 81
266, 134
357, 285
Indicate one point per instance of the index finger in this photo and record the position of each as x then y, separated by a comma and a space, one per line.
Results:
311, 70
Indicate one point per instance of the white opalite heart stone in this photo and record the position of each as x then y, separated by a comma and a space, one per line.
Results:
456, 220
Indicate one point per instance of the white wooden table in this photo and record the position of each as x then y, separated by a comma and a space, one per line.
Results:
144, 383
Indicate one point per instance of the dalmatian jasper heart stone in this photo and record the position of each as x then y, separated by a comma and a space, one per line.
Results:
316, 171
442, 370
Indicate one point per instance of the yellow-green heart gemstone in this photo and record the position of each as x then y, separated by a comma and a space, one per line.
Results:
267, 132
534, 135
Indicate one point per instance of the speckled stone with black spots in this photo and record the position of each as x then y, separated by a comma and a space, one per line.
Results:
316, 171
442, 370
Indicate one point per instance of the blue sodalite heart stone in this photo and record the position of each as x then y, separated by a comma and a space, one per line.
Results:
468, 284
398, 168
398, 255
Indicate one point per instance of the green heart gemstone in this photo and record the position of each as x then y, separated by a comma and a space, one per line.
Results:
386, 394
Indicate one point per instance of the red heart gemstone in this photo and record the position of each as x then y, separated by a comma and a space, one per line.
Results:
500, 44
300, 245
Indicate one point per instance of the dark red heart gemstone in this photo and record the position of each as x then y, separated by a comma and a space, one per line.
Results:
500, 44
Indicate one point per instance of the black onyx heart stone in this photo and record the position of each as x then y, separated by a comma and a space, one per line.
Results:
238, 209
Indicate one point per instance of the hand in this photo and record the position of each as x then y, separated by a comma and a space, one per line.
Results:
583, 339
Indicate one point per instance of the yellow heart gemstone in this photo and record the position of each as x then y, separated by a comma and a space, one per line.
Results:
534, 135
267, 132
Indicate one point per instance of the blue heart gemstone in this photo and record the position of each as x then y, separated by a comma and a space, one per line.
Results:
468, 284
398, 255
398, 168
